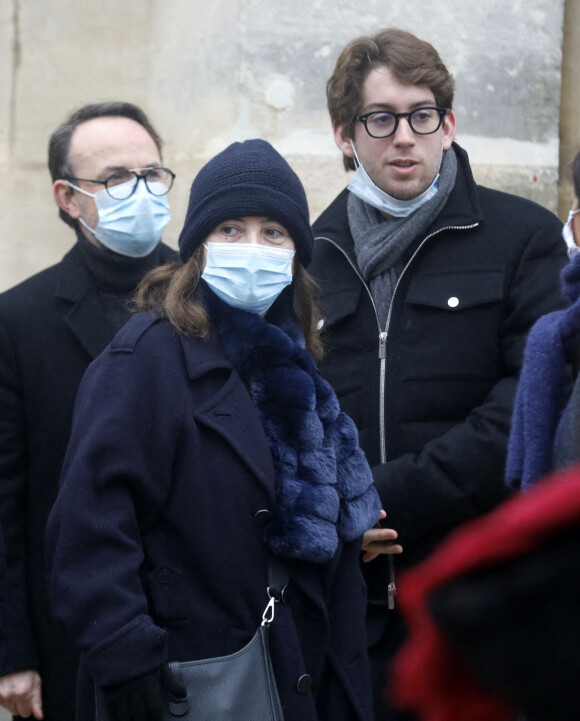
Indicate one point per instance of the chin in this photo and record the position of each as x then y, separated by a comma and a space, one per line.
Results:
406, 193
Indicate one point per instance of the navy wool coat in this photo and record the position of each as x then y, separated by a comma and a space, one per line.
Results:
155, 540
52, 326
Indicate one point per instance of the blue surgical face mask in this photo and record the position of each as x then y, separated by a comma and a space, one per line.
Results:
247, 275
132, 226
363, 187
568, 234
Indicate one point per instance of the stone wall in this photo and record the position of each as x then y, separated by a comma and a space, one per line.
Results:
209, 73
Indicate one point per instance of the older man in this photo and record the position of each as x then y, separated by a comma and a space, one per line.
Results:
430, 284
111, 187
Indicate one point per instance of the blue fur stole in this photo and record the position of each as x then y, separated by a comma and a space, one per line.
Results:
540, 396
324, 488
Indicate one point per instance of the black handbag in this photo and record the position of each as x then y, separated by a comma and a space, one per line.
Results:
237, 687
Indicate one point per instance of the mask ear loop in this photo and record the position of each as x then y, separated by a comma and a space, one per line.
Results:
80, 190
357, 161
93, 231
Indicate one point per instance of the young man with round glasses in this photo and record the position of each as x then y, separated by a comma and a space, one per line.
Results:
111, 187
429, 284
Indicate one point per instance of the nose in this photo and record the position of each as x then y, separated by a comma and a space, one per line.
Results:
252, 236
404, 134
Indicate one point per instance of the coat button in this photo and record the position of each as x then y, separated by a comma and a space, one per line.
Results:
164, 575
453, 302
286, 595
262, 517
304, 684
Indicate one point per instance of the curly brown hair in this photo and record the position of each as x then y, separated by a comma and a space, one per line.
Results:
412, 61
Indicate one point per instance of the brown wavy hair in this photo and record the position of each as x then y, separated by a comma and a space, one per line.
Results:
170, 291
412, 61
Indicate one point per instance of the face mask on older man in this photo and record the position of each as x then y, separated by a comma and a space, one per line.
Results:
132, 226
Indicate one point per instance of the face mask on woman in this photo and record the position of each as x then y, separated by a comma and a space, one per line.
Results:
568, 234
247, 275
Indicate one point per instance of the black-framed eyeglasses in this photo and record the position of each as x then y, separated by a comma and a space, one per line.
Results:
122, 183
383, 124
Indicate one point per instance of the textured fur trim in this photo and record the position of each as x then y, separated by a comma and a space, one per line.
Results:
324, 487
541, 389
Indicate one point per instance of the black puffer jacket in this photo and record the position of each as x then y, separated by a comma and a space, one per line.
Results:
432, 393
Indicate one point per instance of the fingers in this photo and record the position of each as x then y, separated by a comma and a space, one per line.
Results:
20, 693
380, 541
381, 549
36, 706
378, 535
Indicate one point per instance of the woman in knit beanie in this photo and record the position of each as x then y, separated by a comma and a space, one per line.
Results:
249, 179
209, 458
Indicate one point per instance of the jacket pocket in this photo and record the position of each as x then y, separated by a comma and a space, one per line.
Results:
450, 329
168, 595
455, 291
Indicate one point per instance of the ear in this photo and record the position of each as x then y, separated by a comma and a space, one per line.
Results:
65, 198
342, 139
449, 127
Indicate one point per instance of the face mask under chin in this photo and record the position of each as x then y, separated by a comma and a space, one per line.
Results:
365, 189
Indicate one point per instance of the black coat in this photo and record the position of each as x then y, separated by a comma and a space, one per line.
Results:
156, 537
4, 650
451, 366
51, 327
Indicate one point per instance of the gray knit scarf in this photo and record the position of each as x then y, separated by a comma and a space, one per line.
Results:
379, 242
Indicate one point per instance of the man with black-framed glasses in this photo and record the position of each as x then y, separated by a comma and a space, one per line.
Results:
429, 286
111, 186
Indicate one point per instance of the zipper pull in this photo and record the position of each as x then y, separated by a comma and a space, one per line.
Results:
382, 345
391, 593
392, 587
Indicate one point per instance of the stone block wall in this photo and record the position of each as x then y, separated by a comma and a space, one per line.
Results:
211, 73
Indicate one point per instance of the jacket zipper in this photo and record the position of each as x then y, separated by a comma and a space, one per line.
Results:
383, 336
391, 586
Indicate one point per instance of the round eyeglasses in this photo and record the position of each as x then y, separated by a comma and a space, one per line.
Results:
383, 124
122, 183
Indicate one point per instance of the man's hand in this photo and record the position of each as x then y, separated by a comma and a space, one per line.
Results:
20, 693
377, 541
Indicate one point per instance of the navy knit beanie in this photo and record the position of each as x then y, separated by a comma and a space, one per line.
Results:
247, 179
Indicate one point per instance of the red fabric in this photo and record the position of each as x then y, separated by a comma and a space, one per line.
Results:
428, 677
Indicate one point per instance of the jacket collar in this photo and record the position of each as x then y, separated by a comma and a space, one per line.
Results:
82, 310
462, 207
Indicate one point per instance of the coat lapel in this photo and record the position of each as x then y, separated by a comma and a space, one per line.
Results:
230, 411
82, 310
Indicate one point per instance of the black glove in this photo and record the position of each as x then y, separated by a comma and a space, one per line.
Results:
139, 699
